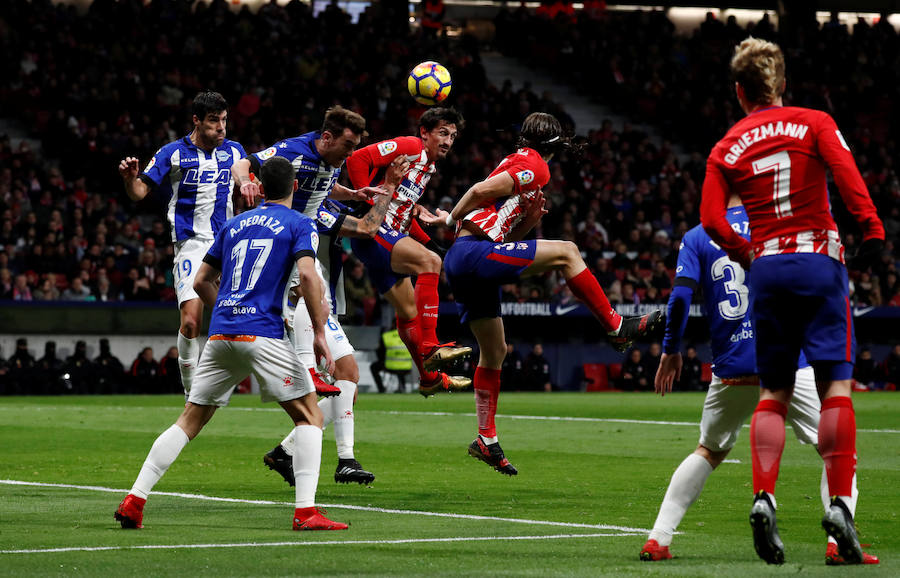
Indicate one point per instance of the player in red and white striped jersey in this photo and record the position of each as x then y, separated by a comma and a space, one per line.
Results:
495, 215
401, 248
776, 160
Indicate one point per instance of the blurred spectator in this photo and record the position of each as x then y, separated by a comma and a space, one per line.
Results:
6, 284
634, 376
358, 292
170, 373
47, 291
536, 372
50, 370
651, 360
76, 291
110, 371
511, 370
21, 291
22, 375
144, 372
892, 367
691, 371
81, 371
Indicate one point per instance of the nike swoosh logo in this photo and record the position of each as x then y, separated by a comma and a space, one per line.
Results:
860, 311
560, 310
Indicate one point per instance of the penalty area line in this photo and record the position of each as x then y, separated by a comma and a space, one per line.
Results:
526, 521
319, 543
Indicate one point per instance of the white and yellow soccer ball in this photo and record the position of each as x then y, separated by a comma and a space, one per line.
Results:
429, 83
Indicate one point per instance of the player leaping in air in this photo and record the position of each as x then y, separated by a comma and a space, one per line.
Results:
317, 158
775, 160
734, 390
194, 173
399, 248
494, 216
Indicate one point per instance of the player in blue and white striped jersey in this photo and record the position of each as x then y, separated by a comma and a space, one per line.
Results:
194, 173
734, 391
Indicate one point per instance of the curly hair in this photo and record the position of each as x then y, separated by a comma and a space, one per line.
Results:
758, 66
542, 132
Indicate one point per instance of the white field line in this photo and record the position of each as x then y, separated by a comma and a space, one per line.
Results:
316, 543
342, 507
445, 414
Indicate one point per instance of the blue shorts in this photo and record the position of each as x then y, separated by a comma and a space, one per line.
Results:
801, 301
477, 268
376, 255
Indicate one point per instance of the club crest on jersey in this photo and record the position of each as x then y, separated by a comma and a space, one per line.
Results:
266, 154
525, 177
222, 156
387, 147
327, 219
150, 164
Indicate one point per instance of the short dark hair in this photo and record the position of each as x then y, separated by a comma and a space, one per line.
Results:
338, 118
277, 175
206, 102
542, 132
433, 116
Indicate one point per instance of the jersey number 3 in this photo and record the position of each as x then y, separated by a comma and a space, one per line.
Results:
780, 164
733, 274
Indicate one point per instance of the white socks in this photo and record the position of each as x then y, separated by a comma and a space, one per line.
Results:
164, 451
188, 358
684, 488
307, 459
339, 411
826, 499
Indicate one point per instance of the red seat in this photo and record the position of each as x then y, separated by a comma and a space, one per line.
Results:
614, 370
596, 377
706, 373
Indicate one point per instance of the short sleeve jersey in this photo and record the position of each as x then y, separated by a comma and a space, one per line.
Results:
256, 252
529, 173
776, 159
315, 177
329, 219
198, 183
377, 157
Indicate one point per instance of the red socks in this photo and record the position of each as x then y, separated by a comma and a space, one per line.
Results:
411, 337
837, 443
586, 288
427, 302
767, 444
487, 391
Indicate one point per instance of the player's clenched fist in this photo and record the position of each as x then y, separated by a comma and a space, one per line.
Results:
129, 168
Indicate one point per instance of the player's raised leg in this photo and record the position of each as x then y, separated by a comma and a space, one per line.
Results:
491, 339
188, 341
564, 256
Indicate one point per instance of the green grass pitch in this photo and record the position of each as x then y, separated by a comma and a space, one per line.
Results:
589, 484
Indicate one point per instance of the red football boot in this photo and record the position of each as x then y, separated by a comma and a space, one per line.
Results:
314, 519
130, 512
653, 552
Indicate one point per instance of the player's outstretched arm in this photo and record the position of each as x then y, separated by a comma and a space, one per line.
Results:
248, 187
135, 188
206, 284
367, 226
498, 185
318, 310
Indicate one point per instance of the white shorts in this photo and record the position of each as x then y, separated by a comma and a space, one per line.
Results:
727, 407
188, 257
302, 336
226, 361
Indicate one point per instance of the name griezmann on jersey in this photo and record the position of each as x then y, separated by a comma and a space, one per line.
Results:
758, 133
270, 223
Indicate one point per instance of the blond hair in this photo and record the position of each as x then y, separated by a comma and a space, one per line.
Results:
758, 66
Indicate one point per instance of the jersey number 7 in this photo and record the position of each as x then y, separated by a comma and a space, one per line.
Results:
780, 164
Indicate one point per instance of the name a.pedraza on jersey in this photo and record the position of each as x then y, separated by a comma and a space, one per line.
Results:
758, 133
271, 223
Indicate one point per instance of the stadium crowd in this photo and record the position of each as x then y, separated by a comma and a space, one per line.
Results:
90, 94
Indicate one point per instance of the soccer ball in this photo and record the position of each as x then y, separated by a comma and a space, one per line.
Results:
429, 83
